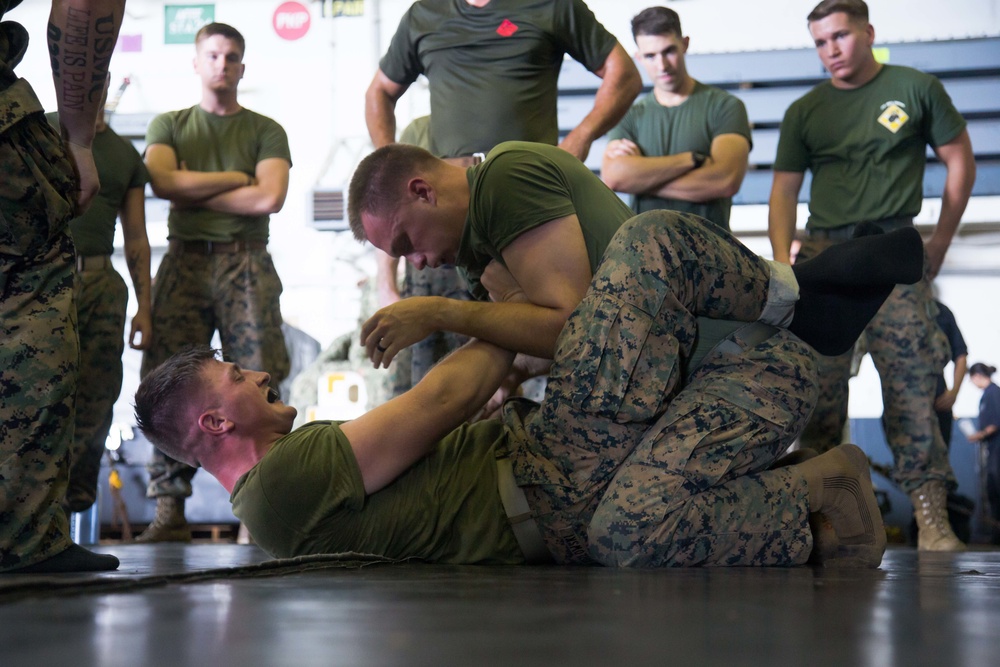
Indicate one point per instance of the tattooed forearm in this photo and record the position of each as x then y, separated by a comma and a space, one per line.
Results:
80, 52
137, 261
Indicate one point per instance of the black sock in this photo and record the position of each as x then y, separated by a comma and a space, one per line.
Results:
74, 559
870, 259
842, 288
832, 321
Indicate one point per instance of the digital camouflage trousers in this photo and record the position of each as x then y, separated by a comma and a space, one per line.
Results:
629, 463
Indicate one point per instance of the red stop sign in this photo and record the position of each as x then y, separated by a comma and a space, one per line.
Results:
291, 20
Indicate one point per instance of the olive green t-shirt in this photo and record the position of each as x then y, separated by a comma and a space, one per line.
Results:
493, 70
306, 496
521, 186
206, 142
120, 169
690, 126
866, 147
417, 133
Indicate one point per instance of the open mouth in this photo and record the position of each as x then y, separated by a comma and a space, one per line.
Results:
272, 395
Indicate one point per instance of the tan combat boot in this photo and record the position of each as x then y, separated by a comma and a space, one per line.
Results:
169, 524
930, 507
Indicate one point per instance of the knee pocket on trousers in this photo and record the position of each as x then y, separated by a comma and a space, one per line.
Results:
630, 372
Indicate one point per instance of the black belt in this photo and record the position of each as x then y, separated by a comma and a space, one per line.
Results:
92, 262
845, 232
214, 247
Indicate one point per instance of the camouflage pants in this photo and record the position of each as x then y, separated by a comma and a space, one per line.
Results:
101, 301
38, 340
412, 364
628, 463
193, 296
909, 351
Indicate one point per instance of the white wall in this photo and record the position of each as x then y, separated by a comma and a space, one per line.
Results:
314, 87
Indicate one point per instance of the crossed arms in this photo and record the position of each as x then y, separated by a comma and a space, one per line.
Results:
222, 191
625, 169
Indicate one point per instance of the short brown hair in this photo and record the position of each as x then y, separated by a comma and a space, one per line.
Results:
856, 10
377, 185
223, 29
164, 396
655, 21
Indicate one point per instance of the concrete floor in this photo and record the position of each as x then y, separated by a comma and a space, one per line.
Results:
179, 609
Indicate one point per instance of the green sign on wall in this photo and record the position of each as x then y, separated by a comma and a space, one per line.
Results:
181, 22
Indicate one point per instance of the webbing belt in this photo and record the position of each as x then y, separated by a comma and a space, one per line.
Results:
522, 521
741, 340
92, 262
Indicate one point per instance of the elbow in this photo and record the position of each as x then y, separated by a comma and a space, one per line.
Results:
613, 177
270, 204
727, 183
161, 188
612, 181
730, 187
452, 402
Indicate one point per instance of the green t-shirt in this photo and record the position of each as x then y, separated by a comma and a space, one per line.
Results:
306, 496
521, 186
207, 142
493, 70
417, 133
866, 147
690, 126
120, 169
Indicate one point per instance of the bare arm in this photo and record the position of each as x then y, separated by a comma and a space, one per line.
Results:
133, 217
173, 182
389, 439
782, 212
720, 176
625, 169
266, 193
554, 283
380, 109
983, 434
960, 162
81, 38
620, 84
946, 401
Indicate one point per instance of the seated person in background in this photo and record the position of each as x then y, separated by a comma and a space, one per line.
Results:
640, 455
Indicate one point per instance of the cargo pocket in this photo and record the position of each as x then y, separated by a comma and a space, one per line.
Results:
627, 368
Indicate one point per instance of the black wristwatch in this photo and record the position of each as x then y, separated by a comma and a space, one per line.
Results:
698, 159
